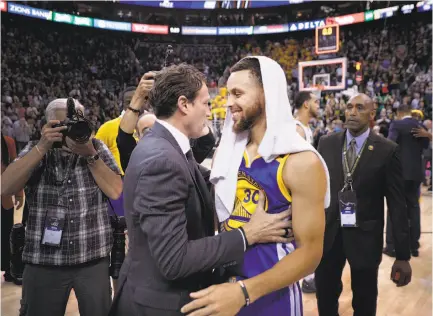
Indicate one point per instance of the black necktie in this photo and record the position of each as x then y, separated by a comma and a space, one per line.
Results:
195, 171
351, 154
191, 160
202, 188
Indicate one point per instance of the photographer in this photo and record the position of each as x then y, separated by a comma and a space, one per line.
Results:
131, 120
68, 233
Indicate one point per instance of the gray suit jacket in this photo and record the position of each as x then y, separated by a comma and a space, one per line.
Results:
169, 214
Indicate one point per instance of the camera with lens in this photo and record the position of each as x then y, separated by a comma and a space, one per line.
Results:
118, 224
79, 129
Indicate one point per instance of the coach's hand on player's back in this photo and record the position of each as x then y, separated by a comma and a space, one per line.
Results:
265, 228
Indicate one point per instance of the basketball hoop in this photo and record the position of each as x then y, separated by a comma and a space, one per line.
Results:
317, 90
320, 87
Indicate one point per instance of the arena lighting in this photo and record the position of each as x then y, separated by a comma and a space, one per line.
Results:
28, 11
408, 8
82, 21
346, 19
3, 6
112, 25
212, 4
199, 30
424, 6
358, 74
209, 5
62, 18
166, 4
150, 28
358, 66
270, 29
385, 12
175, 30
237, 30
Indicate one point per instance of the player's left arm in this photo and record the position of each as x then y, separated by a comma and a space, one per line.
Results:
304, 176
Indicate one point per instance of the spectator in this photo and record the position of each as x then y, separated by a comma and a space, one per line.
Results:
8, 154
22, 132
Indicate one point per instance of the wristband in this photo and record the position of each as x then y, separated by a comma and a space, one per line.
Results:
245, 292
245, 236
134, 110
37, 148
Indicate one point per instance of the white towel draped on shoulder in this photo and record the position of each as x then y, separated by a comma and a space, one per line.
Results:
280, 138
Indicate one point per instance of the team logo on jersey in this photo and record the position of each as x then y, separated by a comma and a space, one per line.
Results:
247, 198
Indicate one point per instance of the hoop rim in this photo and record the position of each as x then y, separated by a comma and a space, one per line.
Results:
320, 87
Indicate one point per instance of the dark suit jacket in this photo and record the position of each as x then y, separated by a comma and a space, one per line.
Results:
377, 175
169, 214
410, 148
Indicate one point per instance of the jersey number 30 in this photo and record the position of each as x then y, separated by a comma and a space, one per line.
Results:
251, 196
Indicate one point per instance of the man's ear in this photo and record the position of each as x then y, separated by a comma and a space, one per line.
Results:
182, 104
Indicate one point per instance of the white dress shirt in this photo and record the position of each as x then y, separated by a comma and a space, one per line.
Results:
180, 137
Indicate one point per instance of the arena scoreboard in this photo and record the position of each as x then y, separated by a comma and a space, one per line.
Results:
327, 39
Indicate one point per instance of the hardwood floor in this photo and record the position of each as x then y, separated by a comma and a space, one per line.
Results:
412, 300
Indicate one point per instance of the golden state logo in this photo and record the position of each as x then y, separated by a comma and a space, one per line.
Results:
247, 198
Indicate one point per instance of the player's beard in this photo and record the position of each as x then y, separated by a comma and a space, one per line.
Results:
250, 117
313, 114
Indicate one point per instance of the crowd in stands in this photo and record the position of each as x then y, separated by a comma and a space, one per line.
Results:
396, 64
42, 61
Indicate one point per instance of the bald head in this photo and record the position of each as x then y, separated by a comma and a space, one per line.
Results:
359, 111
58, 109
363, 98
145, 122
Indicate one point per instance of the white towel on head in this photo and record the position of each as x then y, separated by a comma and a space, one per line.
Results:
280, 138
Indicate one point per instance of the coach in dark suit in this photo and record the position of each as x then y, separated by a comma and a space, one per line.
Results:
169, 211
411, 150
375, 173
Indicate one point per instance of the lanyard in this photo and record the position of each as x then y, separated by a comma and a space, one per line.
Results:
348, 173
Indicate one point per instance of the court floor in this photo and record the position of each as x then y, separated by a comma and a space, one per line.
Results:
412, 300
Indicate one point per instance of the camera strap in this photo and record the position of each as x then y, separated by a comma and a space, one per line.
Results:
59, 170
114, 211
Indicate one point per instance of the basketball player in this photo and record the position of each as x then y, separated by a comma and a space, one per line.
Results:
307, 107
108, 131
132, 104
267, 281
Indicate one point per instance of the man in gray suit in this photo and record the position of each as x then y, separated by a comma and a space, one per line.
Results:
169, 211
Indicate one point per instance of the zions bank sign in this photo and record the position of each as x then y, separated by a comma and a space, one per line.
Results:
29, 11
